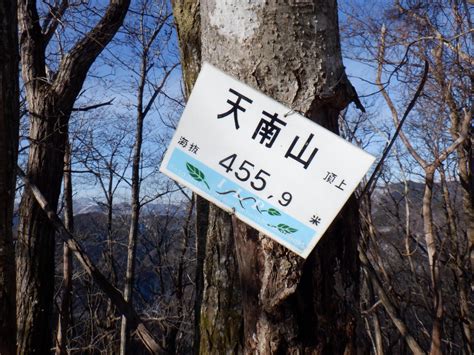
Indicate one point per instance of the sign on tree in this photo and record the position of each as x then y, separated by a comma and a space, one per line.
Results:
274, 169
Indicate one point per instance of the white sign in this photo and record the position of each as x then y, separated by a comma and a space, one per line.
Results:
280, 173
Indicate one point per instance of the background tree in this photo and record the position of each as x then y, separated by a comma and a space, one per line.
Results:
422, 261
150, 42
104, 154
65, 308
9, 125
50, 98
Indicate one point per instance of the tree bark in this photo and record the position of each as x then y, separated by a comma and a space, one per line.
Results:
188, 25
291, 52
187, 15
50, 104
221, 316
135, 202
9, 123
65, 305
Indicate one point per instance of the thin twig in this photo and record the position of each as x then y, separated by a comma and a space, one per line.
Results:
93, 107
399, 127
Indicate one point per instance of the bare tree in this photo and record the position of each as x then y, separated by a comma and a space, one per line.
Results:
167, 239
460, 132
9, 125
66, 304
105, 154
50, 102
101, 157
153, 19
431, 264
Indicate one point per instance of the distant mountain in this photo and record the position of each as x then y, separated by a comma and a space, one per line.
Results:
85, 205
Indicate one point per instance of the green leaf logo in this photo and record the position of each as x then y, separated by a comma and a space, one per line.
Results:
197, 174
284, 228
273, 212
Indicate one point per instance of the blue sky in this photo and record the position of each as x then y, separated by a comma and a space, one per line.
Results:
118, 81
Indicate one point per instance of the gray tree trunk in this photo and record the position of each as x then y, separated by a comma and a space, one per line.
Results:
146, 38
221, 306
187, 15
135, 215
50, 104
217, 330
290, 51
64, 318
9, 121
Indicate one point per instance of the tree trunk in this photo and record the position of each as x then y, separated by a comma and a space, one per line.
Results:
188, 25
50, 104
292, 53
462, 286
221, 314
9, 122
465, 168
35, 246
430, 239
109, 253
146, 37
135, 201
110, 269
65, 305
202, 224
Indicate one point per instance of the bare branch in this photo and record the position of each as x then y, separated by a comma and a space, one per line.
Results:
75, 65
389, 305
31, 44
157, 90
113, 293
52, 21
93, 107
390, 103
399, 127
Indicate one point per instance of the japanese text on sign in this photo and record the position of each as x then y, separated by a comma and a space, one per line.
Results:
282, 174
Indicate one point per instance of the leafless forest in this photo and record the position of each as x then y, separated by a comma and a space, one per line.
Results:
102, 254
